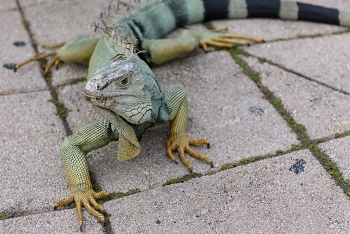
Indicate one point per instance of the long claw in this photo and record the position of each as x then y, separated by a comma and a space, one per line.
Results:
52, 46
79, 213
51, 63
100, 195
64, 202
93, 211
232, 41
182, 144
35, 58
183, 159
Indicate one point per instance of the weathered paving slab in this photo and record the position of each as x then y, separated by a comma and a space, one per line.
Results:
7, 5
320, 109
70, 18
64, 221
28, 78
262, 197
32, 177
272, 29
339, 150
325, 59
228, 119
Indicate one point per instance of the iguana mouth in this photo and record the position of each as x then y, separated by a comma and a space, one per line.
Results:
87, 97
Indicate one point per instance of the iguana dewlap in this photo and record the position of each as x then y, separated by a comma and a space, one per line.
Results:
123, 89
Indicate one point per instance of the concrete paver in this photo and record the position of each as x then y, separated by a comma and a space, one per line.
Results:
339, 151
241, 116
262, 197
327, 58
27, 78
70, 18
32, 177
321, 110
225, 106
7, 5
59, 222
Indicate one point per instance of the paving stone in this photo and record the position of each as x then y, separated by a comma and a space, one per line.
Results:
70, 18
7, 5
64, 221
28, 78
262, 197
32, 177
321, 110
273, 29
338, 150
327, 58
225, 106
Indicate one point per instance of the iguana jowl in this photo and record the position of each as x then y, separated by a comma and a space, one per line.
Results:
123, 89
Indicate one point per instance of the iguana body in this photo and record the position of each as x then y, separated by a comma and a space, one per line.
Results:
123, 89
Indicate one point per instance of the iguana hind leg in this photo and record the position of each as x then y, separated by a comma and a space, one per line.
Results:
163, 50
77, 50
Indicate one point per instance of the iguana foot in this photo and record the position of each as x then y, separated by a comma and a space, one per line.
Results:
219, 39
36, 58
182, 143
85, 197
77, 50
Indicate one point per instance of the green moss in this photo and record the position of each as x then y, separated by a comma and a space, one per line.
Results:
77, 80
5, 216
26, 23
60, 107
120, 194
183, 179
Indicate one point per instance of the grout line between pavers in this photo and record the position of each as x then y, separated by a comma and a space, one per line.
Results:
61, 109
309, 36
263, 60
7, 93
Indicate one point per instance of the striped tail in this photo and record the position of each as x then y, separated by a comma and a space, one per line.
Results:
287, 10
156, 20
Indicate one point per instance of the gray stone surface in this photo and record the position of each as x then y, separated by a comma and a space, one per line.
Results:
28, 78
69, 18
225, 106
321, 110
327, 58
339, 151
64, 221
32, 177
6, 5
228, 119
262, 197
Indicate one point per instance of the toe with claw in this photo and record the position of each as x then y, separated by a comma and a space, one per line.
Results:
85, 196
182, 143
219, 39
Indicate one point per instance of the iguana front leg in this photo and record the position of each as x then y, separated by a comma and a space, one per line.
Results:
77, 50
73, 155
175, 110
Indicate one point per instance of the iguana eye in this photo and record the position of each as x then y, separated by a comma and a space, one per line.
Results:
124, 81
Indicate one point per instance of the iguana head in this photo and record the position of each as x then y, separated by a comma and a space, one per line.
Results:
124, 88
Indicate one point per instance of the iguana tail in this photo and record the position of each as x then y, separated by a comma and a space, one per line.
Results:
287, 10
158, 18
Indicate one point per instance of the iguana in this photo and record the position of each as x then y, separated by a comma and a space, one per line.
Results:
123, 89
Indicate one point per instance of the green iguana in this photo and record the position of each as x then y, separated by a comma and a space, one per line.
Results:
123, 89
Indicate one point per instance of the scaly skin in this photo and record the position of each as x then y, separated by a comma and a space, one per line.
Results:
123, 89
